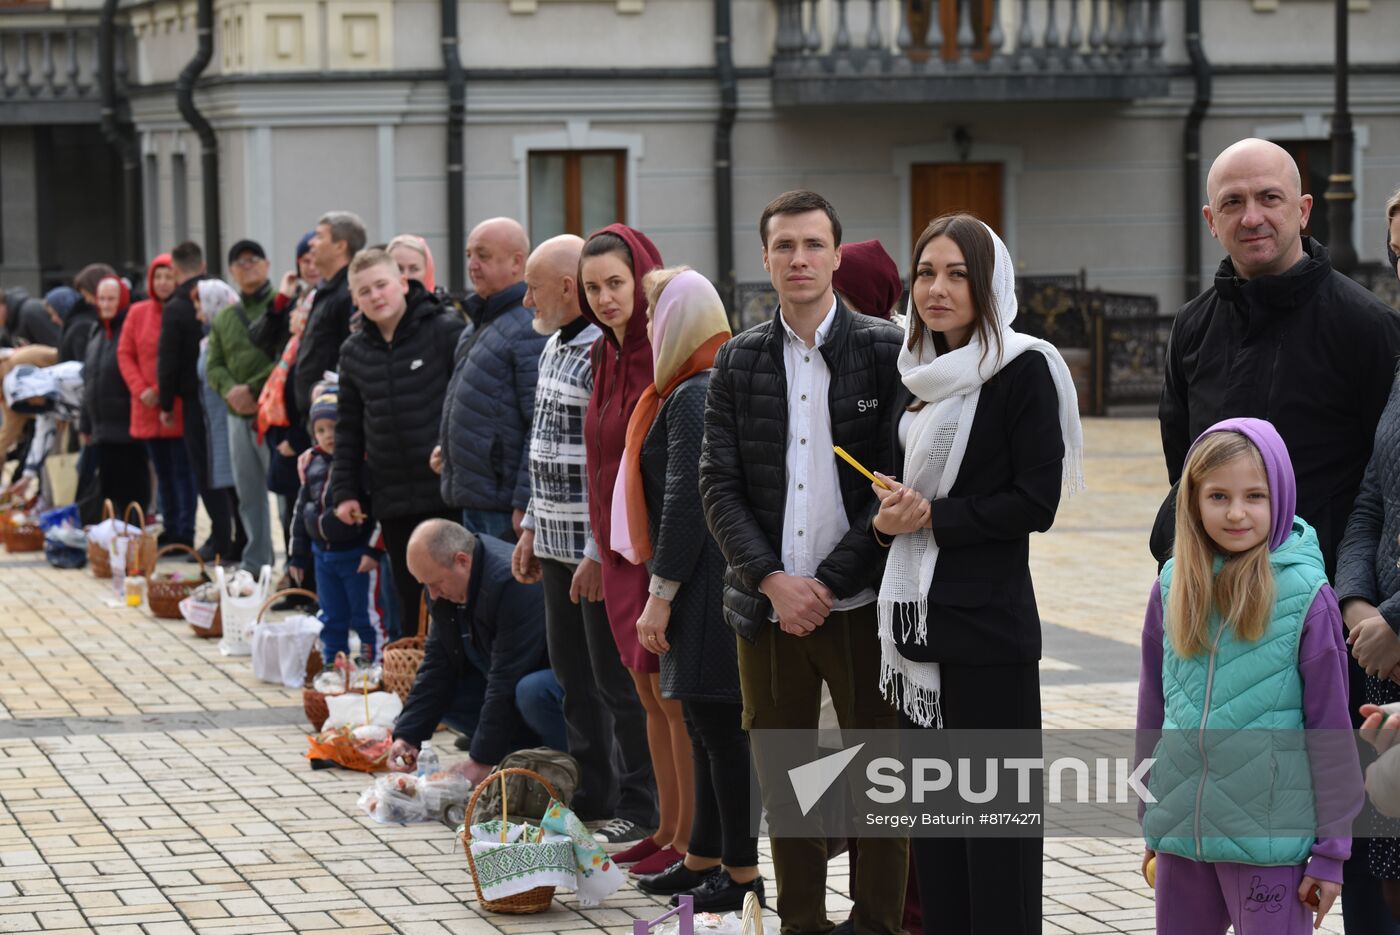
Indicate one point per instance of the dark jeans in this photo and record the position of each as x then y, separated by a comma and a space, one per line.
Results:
175, 480
124, 474
490, 523
396, 531
983, 886
348, 601
606, 722
722, 776
540, 701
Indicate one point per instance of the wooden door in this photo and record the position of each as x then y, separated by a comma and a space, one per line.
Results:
945, 187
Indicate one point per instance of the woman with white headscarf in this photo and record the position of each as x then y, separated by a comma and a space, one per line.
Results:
989, 433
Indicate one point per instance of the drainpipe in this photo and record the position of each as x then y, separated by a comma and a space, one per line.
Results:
122, 136
456, 154
208, 141
1191, 159
724, 153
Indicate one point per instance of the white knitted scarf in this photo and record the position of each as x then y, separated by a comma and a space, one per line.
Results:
950, 385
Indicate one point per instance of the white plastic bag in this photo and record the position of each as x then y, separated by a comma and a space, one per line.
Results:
394, 799
280, 649
240, 597
348, 710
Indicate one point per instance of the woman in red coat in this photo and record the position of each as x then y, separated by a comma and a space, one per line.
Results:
136, 355
611, 268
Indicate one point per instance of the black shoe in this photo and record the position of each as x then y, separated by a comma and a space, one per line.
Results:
677, 878
719, 893
845, 928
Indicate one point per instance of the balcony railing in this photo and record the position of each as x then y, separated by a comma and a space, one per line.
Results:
49, 74
906, 51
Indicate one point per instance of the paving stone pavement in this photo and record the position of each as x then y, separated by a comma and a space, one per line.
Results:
149, 785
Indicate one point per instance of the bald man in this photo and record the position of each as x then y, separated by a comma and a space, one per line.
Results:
1282, 336
605, 719
491, 399
485, 626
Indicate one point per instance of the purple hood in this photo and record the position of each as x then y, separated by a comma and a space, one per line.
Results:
1283, 489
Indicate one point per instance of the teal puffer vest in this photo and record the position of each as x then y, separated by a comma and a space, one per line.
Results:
1231, 776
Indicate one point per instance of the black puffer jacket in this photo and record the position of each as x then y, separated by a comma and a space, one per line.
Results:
1310, 351
106, 399
702, 664
77, 331
314, 519
327, 327
743, 467
390, 405
177, 355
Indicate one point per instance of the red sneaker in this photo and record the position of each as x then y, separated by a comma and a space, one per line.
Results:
656, 862
639, 851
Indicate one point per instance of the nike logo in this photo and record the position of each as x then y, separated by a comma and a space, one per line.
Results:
416, 364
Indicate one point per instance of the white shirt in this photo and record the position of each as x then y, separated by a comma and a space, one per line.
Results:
814, 515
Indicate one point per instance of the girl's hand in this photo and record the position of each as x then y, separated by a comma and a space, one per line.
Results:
1378, 730
1320, 894
902, 510
1147, 856
368, 563
1375, 646
651, 625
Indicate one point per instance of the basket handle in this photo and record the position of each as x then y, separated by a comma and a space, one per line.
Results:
140, 514
485, 783
181, 547
108, 511
277, 595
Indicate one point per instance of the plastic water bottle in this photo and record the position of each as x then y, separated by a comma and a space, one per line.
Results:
428, 759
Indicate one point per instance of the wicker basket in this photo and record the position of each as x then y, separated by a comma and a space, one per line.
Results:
530, 901
403, 657
22, 535
98, 558
141, 549
215, 630
165, 595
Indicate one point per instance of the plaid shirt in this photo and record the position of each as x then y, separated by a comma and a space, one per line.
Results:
558, 510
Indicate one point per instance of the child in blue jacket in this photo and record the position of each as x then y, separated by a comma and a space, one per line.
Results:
347, 564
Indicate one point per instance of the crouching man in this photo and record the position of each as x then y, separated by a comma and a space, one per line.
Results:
482, 619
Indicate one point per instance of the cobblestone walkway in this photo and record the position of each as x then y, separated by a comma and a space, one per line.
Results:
149, 785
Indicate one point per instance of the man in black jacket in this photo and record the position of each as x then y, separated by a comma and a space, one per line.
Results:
339, 236
483, 620
393, 379
802, 577
1282, 336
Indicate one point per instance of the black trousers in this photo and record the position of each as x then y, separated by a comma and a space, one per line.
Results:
124, 474
606, 722
218, 501
983, 886
396, 531
723, 771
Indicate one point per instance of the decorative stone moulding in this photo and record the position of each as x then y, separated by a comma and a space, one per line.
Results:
532, 6
305, 35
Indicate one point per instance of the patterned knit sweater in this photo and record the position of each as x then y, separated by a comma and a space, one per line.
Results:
558, 510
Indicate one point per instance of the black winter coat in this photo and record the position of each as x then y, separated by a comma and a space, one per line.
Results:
327, 327
390, 404
314, 519
743, 466
981, 604
27, 321
106, 398
77, 331
1310, 351
490, 406
702, 664
177, 355
503, 623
